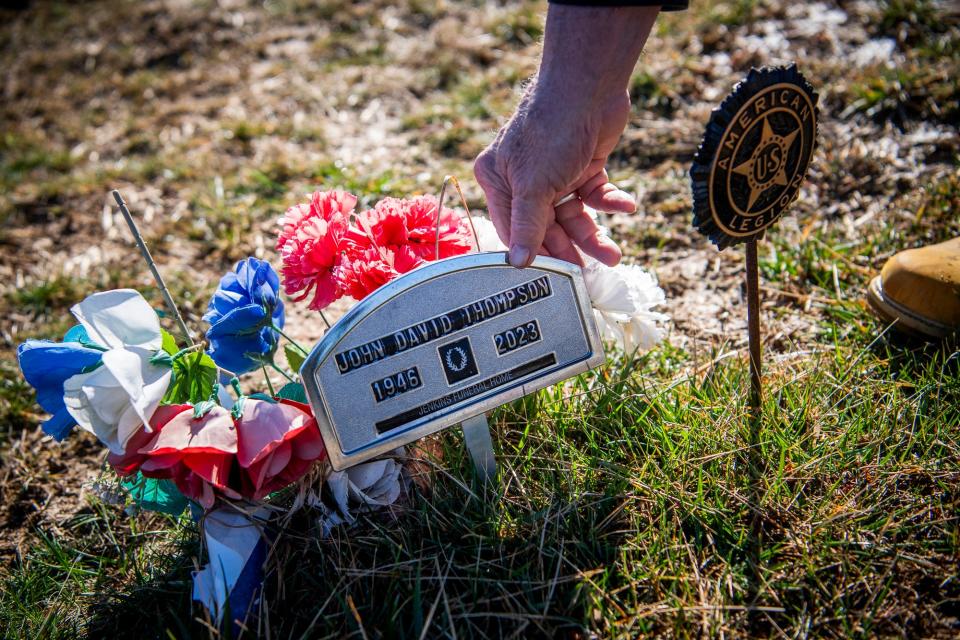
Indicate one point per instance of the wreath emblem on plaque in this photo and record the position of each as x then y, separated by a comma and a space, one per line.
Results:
463, 361
754, 155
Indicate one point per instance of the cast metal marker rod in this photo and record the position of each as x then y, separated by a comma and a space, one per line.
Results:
150, 263
476, 435
753, 326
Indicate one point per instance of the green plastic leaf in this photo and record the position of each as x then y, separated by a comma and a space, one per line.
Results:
78, 334
293, 391
162, 358
194, 375
169, 342
155, 495
294, 357
203, 408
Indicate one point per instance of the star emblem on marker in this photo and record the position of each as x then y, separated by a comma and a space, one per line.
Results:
769, 158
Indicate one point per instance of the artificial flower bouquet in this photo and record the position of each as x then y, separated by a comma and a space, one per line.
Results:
178, 428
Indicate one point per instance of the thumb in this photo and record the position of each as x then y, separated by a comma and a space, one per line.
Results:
529, 216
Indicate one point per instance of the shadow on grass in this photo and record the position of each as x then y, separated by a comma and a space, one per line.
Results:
457, 561
453, 561
160, 607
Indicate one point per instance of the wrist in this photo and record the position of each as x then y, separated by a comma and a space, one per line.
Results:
589, 52
578, 93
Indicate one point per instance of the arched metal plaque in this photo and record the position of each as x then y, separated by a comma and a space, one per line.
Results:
444, 343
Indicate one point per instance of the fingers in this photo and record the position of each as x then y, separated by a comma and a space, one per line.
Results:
521, 186
499, 209
609, 198
579, 227
520, 222
498, 195
558, 243
599, 193
529, 216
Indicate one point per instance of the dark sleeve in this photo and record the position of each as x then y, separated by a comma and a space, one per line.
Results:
665, 5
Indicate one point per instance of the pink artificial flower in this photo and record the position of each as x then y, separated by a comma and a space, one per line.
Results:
196, 453
412, 222
278, 443
309, 245
366, 271
269, 447
129, 461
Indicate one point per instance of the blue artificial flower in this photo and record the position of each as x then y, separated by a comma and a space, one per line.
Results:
46, 366
245, 313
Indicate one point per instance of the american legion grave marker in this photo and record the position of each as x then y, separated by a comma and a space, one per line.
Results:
748, 170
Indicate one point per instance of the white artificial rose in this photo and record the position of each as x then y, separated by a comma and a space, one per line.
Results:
368, 485
116, 400
487, 238
623, 298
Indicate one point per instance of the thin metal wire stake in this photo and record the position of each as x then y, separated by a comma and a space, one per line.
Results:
150, 263
463, 201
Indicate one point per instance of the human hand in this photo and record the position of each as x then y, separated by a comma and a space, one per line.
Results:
558, 141
544, 153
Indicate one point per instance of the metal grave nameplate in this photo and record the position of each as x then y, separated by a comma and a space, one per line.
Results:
443, 343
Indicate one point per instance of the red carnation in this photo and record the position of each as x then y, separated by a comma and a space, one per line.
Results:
325, 255
309, 244
366, 270
413, 223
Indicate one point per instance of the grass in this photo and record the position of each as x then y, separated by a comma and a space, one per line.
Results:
100, 547
636, 500
640, 499
911, 21
923, 85
58, 293
898, 95
733, 13
646, 92
521, 27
